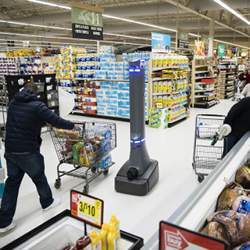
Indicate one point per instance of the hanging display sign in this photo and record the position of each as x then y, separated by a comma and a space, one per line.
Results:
87, 23
199, 48
182, 41
160, 42
86, 208
221, 50
174, 237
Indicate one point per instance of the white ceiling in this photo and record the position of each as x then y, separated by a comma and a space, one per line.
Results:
159, 12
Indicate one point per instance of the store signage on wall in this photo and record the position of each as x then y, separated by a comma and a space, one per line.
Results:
199, 48
160, 42
182, 42
174, 237
86, 24
221, 50
86, 208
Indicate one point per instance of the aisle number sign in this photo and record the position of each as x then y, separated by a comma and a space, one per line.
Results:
87, 208
87, 22
174, 237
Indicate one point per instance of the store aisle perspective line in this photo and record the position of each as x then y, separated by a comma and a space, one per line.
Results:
173, 149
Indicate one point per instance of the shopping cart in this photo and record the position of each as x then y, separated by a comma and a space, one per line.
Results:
205, 155
85, 150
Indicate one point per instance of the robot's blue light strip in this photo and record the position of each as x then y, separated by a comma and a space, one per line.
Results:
137, 141
135, 70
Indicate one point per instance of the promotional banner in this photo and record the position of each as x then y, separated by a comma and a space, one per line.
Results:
199, 48
174, 237
160, 42
182, 40
86, 24
221, 50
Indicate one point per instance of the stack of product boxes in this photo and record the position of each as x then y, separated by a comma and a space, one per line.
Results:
144, 56
112, 97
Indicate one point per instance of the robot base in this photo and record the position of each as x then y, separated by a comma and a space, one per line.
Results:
139, 186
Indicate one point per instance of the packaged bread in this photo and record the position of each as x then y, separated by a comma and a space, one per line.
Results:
237, 226
228, 196
242, 204
242, 176
216, 230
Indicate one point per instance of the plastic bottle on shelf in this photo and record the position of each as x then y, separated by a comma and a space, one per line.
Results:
113, 239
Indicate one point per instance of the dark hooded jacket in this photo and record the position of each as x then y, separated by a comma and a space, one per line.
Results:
26, 116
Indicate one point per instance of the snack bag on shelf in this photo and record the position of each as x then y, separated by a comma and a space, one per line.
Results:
228, 196
242, 177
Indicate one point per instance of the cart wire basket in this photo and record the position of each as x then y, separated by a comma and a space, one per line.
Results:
86, 149
205, 155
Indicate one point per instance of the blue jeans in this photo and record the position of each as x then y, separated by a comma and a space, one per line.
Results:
31, 164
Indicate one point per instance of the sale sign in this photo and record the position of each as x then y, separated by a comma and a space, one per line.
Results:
86, 208
173, 237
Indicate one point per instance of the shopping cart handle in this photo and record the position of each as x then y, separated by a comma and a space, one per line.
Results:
215, 139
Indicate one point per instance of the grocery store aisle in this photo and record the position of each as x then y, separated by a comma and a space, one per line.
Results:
173, 149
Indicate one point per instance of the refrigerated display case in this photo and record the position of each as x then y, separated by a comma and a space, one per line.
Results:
194, 211
63, 230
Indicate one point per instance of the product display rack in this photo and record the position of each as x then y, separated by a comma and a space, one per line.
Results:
229, 68
204, 83
47, 88
8, 66
168, 89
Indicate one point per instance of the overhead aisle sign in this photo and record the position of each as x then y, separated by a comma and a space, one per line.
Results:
221, 50
87, 22
182, 40
173, 237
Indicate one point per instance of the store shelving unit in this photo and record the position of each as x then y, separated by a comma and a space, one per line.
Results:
167, 89
229, 68
47, 88
204, 83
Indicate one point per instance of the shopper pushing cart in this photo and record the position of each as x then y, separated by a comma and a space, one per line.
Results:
25, 118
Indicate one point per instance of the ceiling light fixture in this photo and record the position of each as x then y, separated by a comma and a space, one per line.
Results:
34, 25
234, 12
50, 4
68, 38
138, 22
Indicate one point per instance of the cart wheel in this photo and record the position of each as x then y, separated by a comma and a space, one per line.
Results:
86, 189
106, 172
93, 170
201, 178
58, 183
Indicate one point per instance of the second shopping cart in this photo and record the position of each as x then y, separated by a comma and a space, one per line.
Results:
205, 155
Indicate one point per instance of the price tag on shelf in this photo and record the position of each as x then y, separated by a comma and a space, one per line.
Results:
87, 208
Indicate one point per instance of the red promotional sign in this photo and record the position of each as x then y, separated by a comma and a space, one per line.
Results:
174, 237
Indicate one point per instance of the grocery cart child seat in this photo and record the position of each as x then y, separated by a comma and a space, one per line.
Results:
206, 155
86, 149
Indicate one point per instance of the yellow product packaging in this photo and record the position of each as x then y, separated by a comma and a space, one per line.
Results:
76, 152
113, 239
96, 243
104, 236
